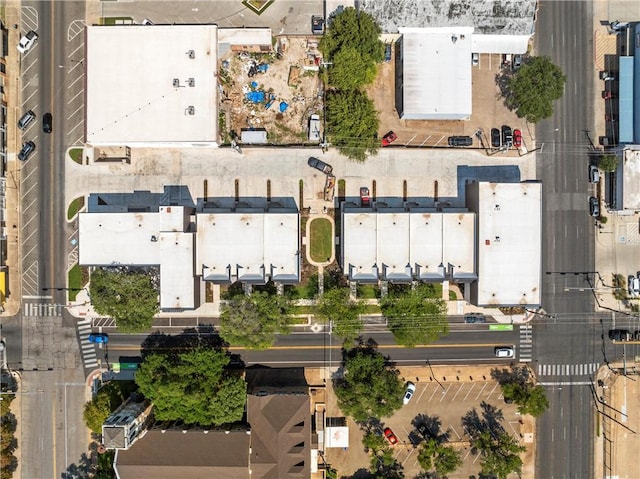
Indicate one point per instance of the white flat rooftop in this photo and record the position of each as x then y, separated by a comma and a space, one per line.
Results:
402, 246
143, 239
131, 97
249, 247
509, 243
631, 178
436, 73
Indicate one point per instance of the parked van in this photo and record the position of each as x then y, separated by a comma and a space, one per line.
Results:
27, 118
314, 128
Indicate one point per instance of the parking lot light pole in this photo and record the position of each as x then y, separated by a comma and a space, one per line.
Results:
434, 376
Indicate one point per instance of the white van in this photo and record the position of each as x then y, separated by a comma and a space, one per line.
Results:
314, 128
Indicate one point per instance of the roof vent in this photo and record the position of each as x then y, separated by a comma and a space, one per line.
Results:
176, 82
191, 110
192, 54
191, 82
154, 238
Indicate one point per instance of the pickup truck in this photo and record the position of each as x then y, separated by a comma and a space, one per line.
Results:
314, 128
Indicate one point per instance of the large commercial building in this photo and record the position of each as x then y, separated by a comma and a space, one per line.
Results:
493, 245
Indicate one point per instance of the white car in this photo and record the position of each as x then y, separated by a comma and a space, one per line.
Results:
27, 41
408, 393
504, 352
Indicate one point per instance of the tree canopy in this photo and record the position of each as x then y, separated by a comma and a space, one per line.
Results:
608, 163
253, 321
193, 386
353, 29
351, 70
414, 316
368, 388
532, 90
128, 296
435, 455
336, 306
518, 385
108, 398
352, 123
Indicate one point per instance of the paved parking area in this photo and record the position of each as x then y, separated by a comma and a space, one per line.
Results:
456, 392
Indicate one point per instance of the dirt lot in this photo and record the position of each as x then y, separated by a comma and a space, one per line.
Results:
459, 390
488, 110
291, 77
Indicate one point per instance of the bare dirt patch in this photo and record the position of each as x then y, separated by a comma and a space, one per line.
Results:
290, 77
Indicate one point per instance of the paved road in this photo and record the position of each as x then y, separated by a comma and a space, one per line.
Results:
53, 436
565, 442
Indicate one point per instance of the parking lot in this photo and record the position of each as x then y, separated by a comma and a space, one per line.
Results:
446, 394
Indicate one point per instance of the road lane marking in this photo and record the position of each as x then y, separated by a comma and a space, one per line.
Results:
321, 347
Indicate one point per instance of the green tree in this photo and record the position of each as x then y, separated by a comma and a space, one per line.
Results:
608, 163
532, 90
414, 317
127, 296
350, 70
353, 29
500, 454
96, 412
435, 455
193, 386
518, 385
352, 123
368, 387
253, 321
336, 306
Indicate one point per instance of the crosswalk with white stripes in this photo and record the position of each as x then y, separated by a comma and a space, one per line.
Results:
584, 369
526, 343
88, 350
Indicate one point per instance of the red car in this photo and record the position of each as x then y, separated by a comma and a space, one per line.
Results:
365, 199
391, 437
389, 138
517, 138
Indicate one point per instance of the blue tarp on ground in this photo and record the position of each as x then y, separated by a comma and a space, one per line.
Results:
255, 96
283, 106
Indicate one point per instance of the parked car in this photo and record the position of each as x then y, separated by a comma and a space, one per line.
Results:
460, 141
27, 41
320, 165
507, 135
389, 138
47, 122
98, 338
594, 207
408, 392
317, 25
504, 352
473, 318
594, 174
475, 59
365, 199
495, 138
387, 52
28, 147
391, 437
634, 286
26, 119
517, 62
517, 138
423, 430
619, 334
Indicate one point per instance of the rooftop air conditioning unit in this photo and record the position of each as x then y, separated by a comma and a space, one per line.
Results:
192, 54
191, 82
176, 82
191, 110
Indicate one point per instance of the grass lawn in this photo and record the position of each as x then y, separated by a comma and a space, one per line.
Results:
367, 292
321, 239
75, 206
75, 281
76, 155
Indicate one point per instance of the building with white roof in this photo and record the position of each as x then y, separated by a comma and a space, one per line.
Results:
436, 71
248, 246
144, 239
152, 85
509, 247
398, 245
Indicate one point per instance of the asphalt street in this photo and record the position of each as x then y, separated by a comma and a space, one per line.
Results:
571, 334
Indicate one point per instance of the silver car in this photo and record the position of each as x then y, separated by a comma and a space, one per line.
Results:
594, 174
504, 352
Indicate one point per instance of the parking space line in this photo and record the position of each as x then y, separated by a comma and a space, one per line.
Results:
479, 393
74, 113
422, 393
73, 52
78, 140
452, 428
458, 392
28, 238
491, 393
80, 77
25, 71
473, 386
77, 64
24, 102
434, 392
25, 193
76, 96
444, 393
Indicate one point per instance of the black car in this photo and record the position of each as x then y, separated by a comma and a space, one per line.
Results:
507, 135
320, 165
619, 334
28, 147
47, 123
473, 318
460, 141
495, 138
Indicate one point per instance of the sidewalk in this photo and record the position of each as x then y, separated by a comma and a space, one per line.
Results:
13, 96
